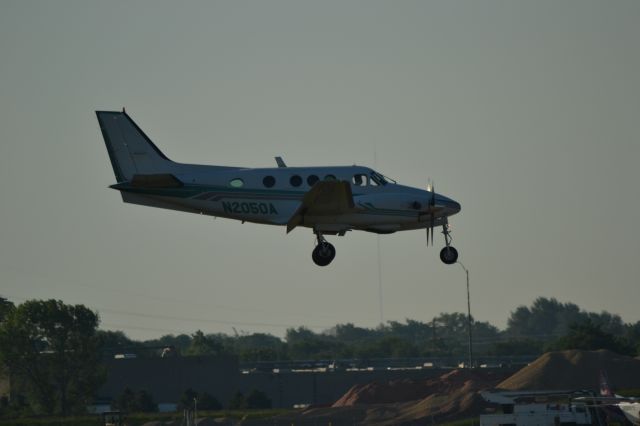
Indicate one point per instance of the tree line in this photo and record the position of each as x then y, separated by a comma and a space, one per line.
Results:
56, 350
531, 330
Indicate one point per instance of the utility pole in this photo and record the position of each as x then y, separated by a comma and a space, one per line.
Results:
195, 410
469, 321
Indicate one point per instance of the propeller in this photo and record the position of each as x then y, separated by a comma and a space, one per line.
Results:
431, 210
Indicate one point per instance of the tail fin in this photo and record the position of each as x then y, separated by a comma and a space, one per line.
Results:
605, 388
130, 150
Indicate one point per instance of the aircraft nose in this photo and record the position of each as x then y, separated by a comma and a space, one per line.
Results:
453, 205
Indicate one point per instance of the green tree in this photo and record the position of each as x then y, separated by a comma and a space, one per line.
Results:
204, 345
125, 401
388, 346
451, 331
181, 342
349, 333
303, 343
135, 402
5, 308
632, 334
144, 402
113, 341
53, 347
208, 402
238, 402
610, 323
257, 347
586, 335
545, 320
204, 400
187, 399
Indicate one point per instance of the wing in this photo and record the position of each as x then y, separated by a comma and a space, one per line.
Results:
324, 198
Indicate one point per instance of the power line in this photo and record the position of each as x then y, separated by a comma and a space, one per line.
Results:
136, 327
191, 303
214, 321
191, 319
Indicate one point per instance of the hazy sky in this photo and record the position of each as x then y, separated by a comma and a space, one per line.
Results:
527, 113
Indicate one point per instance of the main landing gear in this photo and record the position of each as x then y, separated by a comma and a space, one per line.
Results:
324, 252
448, 254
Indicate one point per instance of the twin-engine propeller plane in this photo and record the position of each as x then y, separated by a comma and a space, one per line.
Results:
329, 200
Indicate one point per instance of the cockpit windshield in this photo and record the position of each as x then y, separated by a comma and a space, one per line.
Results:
379, 179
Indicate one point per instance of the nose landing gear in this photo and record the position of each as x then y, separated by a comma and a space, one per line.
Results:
448, 255
324, 252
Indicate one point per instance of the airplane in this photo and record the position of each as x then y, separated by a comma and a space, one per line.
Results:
629, 406
329, 200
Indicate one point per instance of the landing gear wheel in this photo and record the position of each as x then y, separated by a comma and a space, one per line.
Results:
323, 254
449, 255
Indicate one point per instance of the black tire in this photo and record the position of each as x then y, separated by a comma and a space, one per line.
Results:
449, 255
323, 254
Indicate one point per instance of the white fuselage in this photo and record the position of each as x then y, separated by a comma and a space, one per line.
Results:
330, 200
272, 195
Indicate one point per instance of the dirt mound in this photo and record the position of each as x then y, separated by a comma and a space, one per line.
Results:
451, 396
383, 393
410, 390
575, 370
456, 394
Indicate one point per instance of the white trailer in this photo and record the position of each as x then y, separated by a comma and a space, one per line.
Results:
525, 409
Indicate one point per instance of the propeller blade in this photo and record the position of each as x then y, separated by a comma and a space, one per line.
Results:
431, 210
433, 195
432, 224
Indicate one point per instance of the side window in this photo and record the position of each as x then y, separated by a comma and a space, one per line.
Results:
359, 180
295, 180
312, 179
269, 181
237, 183
329, 177
377, 179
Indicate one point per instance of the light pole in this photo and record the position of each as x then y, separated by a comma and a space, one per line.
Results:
468, 316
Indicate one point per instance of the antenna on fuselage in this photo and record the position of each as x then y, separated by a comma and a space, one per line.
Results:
280, 162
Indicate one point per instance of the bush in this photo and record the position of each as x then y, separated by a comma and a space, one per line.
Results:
238, 402
205, 401
208, 402
187, 399
135, 402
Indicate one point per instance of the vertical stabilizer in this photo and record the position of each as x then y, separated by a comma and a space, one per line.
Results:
130, 150
605, 388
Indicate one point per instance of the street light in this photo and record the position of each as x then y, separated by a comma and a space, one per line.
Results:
468, 316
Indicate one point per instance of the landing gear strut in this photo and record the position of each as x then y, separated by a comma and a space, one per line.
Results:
324, 252
448, 254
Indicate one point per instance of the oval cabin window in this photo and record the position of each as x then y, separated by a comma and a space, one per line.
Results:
295, 180
237, 183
